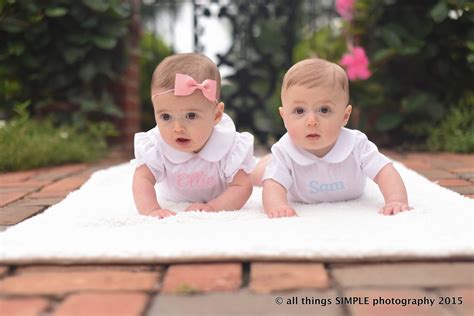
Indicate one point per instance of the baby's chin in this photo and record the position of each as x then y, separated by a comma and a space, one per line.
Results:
193, 149
319, 151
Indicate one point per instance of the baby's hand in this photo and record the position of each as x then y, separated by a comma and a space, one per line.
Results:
393, 208
200, 207
282, 211
161, 213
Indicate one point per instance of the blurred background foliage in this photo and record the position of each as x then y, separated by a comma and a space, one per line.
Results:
152, 51
61, 59
28, 143
62, 56
422, 59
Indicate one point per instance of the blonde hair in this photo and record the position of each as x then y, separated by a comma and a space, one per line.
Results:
195, 65
314, 72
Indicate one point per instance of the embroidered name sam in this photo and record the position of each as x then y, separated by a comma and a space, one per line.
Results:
316, 187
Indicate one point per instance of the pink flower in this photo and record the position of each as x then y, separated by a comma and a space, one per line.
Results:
356, 64
345, 8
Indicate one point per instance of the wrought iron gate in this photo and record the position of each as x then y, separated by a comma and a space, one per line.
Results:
263, 38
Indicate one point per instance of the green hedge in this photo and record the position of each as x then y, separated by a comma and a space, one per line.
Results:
26, 143
456, 130
62, 55
422, 59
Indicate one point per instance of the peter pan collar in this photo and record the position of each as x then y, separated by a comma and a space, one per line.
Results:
217, 146
339, 152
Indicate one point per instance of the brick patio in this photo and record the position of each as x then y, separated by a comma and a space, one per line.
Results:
226, 288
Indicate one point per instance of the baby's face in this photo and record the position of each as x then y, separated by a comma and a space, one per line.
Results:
186, 122
314, 117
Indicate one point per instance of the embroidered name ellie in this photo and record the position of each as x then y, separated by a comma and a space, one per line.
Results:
316, 187
195, 180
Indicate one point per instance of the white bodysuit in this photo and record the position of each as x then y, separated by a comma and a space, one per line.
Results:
200, 177
339, 175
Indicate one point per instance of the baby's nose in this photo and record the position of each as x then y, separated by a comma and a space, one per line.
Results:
311, 121
178, 127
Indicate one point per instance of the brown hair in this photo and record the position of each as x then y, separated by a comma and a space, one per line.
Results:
314, 72
195, 65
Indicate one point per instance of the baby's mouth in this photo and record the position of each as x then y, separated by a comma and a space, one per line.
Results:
313, 136
182, 140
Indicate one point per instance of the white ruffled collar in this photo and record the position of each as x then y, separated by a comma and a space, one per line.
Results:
339, 152
217, 146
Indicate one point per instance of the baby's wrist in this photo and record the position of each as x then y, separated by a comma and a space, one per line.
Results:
211, 206
153, 210
397, 199
396, 202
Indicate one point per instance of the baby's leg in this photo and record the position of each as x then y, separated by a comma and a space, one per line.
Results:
257, 173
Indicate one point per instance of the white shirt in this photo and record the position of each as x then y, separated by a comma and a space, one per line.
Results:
339, 175
197, 177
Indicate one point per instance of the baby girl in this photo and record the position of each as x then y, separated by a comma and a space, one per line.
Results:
194, 152
318, 159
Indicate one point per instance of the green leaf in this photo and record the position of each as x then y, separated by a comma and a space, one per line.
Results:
72, 54
89, 22
435, 109
88, 105
87, 72
470, 58
56, 12
383, 54
96, 5
470, 45
415, 102
105, 68
121, 9
391, 38
115, 30
388, 122
12, 25
16, 48
31, 61
77, 38
104, 42
112, 110
439, 12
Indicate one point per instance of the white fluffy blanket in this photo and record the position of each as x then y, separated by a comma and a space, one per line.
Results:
99, 223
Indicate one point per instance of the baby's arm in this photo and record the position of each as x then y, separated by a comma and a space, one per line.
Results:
393, 190
275, 202
233, 198
144, 194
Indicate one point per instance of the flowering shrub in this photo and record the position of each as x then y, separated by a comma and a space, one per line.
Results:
356, 64
421, 60
355, 61
345, 8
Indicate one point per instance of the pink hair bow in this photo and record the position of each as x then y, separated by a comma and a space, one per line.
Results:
186, 85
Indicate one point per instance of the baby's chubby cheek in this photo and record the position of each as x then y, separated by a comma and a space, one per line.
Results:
296, 134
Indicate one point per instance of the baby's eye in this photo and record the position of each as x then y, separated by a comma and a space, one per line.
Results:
299, 110
191, 116
324, 110
165, 117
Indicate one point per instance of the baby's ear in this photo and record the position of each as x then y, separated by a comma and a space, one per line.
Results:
219, 112
280, 110
347, 114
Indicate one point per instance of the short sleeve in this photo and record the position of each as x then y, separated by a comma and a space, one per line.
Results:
278, 169
370, 159
240, 156
148, 152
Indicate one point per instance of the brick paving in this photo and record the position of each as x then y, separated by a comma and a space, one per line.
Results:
230, 288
